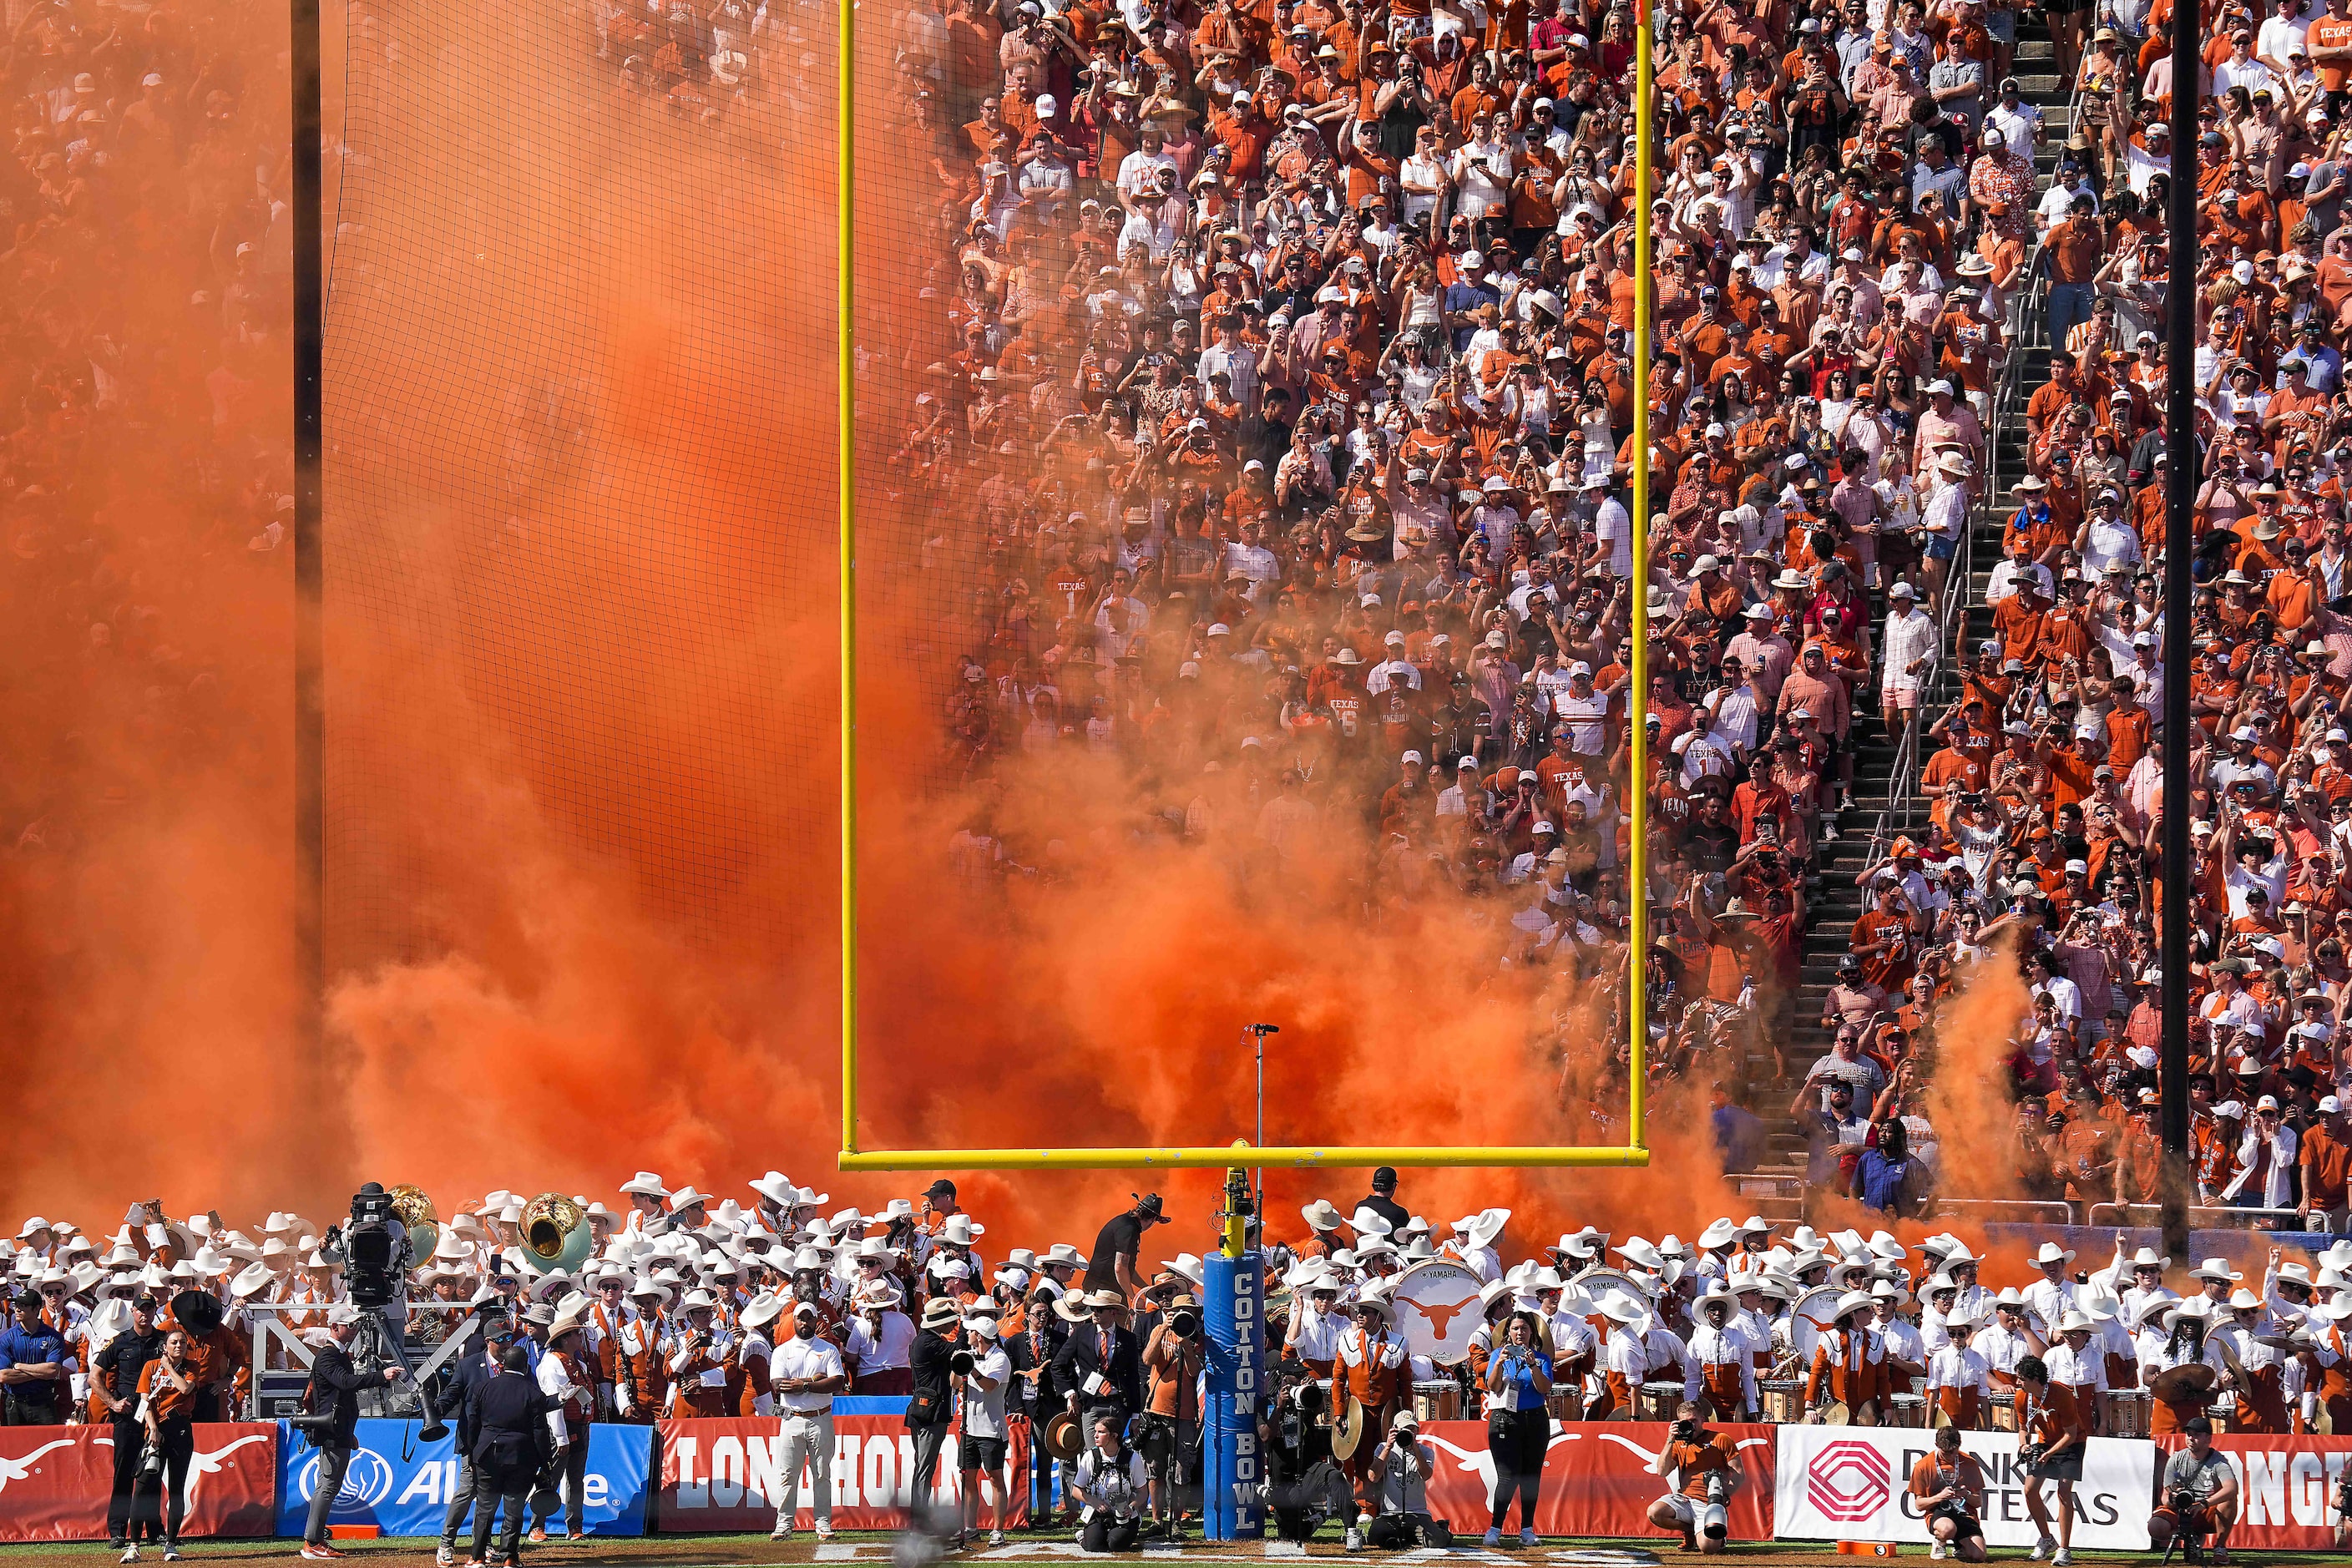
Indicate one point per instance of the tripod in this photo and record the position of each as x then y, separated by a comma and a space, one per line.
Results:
376, 1343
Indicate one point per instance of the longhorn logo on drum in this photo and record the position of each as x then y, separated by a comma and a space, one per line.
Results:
1847, 1482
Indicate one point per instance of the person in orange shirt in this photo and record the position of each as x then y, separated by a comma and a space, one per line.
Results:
170, 1384
2052, 1439
1948, 1488
1704, 1467
1371, 1370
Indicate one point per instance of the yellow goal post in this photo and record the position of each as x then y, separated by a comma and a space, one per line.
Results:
1634, 1151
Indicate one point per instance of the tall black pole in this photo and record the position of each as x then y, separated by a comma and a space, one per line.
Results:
309, 451
2180, 506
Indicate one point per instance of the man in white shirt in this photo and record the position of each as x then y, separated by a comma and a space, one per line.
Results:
804, 1373
981, 1453
2014, 121
1911, 647
2050, 1298
1394, 670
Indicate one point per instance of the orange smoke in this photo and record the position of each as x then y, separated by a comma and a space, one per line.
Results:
581, 753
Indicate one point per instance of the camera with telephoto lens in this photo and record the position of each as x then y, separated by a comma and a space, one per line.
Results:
1184, 1322
1719, 1488
372, 1248
961, 1362
2183, 1502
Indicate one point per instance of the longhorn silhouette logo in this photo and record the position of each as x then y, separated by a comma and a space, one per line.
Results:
1439, 1314
17, 1469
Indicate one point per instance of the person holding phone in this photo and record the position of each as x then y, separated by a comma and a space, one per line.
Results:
1518, 1423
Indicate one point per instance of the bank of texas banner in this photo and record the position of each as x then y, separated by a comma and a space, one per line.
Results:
1854, 1483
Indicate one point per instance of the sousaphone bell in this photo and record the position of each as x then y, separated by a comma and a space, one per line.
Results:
554, 1235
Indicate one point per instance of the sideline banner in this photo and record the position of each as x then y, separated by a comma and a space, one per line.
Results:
403, 1486
55, 1480
1596, 1479
720, 1474
1852, 1483
2286, 1487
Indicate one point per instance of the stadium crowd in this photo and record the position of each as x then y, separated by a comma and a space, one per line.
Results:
673, 1302
1273, 392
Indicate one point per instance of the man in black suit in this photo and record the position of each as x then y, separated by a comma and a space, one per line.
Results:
469, 1375
513, 1441
1100, 1367
335, 1382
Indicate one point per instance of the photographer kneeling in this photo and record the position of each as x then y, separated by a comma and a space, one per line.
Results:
1110, 1484
1949, 1488
2200, 1497
1701, 1465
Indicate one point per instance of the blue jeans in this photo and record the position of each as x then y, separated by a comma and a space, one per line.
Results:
2069, 303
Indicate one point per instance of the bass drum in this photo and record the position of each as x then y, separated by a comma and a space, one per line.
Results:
1811, 1316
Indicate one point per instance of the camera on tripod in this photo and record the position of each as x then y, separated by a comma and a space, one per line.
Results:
374, 1249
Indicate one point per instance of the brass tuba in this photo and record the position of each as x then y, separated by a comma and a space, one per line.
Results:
414, 1212
555, 1235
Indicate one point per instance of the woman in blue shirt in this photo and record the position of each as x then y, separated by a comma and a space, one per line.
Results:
1518, 1425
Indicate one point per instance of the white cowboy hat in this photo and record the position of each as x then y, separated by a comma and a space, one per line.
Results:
2071, 1321
2214, 1271
1061, 1254
1620, 1308
1365, 1221
960, 1229
1187, 1268
1718, 1233
697, 1297
251, 1281
686, 1198
762, 1309
2051, 1252
2158, 1301
2244, 1300
2146, 1258
875, 1247
1586, 1243
645, 1285
1641, 1254
1322, 1214
645, 1182
1480, 1230
1302, 1276
777, 1188
1852, 1301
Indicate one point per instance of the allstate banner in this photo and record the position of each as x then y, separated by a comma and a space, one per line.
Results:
55, 1480
403, 1486
721, 1474
1596, 1479
1854, 1483
2286, 1488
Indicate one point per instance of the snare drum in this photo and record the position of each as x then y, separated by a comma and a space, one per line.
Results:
2004, 1416
1906, 1410
2220, 1413
1565, 1404
1437, 1401
1784, 1400
1656, 1401
2127, 1412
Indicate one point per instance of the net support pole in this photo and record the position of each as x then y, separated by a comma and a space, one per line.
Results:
310, 567
845, 329
1637, 677
1234, 1320
2179, 505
